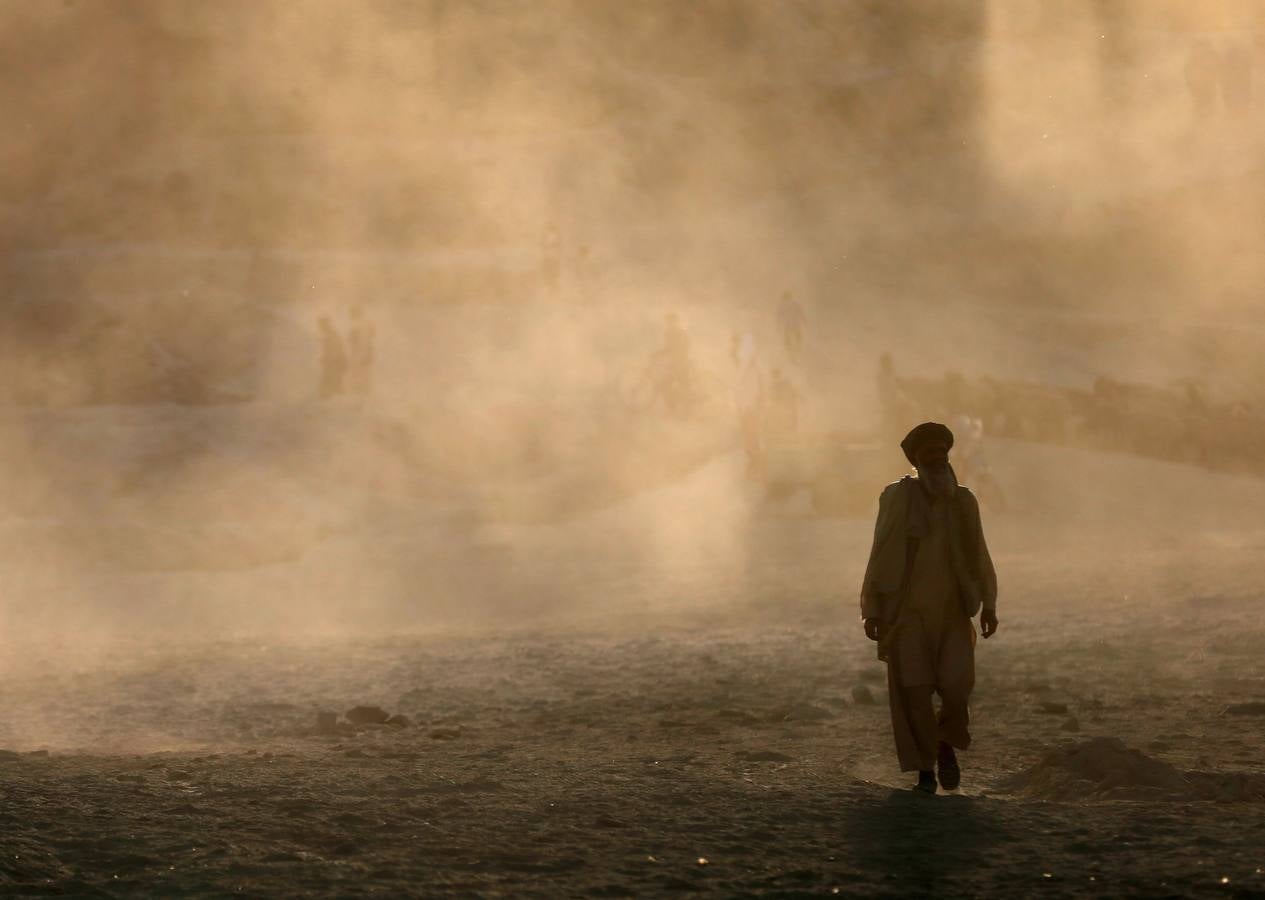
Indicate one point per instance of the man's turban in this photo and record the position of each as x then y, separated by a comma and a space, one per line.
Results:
928, 434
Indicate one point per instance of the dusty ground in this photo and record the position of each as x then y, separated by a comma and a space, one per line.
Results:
634, 748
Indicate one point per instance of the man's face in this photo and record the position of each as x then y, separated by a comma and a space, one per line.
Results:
934, 470
932, 455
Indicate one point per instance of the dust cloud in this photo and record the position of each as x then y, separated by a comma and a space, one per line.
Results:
529, 372
332, 317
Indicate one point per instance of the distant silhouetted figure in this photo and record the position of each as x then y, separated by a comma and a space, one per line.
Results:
551, 259
361, 338
674, 383
893, 404
750, 399
783, 405
929, 573
333, 360
791, 320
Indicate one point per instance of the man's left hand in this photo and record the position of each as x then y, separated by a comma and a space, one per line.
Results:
988, 622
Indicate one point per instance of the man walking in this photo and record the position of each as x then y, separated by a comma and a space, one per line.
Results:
333, 360
929, 573
792, 321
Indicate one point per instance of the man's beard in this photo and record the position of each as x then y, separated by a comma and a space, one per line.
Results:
938, 479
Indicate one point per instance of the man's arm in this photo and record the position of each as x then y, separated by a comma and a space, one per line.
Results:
988, 576
871, 607
984, 564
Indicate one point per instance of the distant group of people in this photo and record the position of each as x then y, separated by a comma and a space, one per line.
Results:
766, 400
346, 356
670, 378
768, 407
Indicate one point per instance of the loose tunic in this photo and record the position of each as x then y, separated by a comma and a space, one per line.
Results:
928, 641
933, 612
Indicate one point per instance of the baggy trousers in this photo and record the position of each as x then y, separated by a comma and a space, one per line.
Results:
919, 665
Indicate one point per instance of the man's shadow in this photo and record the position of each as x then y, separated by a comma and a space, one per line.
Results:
919, 842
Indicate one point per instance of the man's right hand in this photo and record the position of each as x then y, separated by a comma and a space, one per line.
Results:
873, 625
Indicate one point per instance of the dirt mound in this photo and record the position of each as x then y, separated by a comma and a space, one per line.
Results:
1105, 769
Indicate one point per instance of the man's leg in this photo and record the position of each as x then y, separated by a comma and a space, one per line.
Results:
912, 715
955, 718
956, 680
910, 683
920, 713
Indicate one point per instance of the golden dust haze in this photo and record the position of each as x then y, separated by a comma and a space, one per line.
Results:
513, 196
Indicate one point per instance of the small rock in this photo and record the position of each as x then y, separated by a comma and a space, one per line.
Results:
1071, 723
367, 715
327, 723
445, 734
400, 721
1254, 708
1051, 708
862, 695
9, 755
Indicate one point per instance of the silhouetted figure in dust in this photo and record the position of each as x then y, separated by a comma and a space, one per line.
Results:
893, 403
929, 573
333, 361
750, 400
551, 259
361, 340
675, 376
783, 405
792, 321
